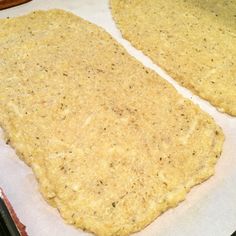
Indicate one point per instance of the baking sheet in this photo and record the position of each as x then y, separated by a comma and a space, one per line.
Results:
210, 208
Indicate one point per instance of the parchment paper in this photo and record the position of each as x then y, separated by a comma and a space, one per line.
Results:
209, 210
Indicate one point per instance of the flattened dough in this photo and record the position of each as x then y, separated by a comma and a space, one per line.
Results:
112, 144
193, 40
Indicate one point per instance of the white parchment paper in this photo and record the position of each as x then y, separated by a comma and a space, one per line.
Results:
210, 208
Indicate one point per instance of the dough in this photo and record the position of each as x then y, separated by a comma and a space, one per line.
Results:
111, 143
194, 41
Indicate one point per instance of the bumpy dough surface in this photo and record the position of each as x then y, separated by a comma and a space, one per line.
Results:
111, 143
193, 40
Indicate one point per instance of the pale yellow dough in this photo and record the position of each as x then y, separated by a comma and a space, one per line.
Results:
193, 40
111, 143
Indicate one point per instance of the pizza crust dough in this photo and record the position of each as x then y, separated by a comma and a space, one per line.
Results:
111, 143
194, 41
